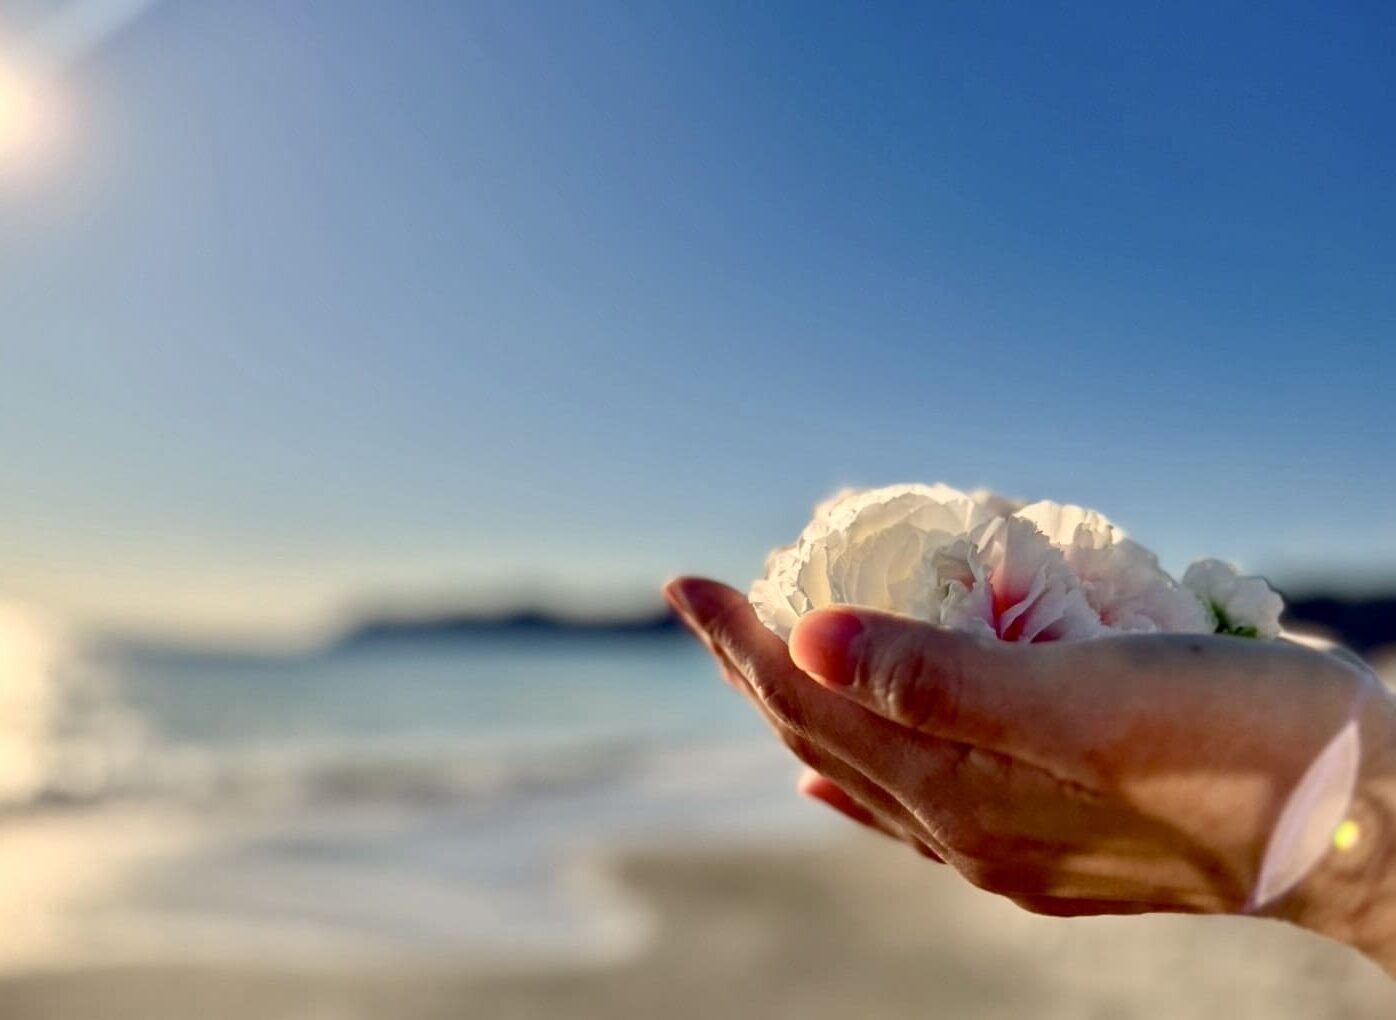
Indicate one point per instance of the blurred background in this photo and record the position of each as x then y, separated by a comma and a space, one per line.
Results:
366, 367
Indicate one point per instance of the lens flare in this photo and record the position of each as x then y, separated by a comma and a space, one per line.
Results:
1346, 835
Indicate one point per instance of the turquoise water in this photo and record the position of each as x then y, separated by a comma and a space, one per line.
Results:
444, 718
405, 800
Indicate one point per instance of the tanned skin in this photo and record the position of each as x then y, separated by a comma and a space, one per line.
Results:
1122, 775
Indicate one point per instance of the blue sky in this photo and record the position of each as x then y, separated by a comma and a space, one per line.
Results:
327, 299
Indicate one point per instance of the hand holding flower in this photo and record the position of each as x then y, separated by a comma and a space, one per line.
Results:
1137, 772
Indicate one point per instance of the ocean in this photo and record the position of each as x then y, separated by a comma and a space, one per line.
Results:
409, 800
412, 801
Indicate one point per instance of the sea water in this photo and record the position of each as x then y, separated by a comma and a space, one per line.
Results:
423, 799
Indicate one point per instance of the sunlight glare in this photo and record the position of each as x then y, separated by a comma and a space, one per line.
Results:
28, 122
28, 657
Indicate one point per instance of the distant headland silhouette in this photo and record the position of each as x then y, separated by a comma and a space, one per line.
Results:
521, 623
1362, 623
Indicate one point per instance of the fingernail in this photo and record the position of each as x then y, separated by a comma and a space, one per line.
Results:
676, 597
694, 598
823, 644
694, 606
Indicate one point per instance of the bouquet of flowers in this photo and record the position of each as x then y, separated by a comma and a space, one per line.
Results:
980, 563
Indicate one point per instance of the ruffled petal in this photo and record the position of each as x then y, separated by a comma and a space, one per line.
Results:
1239, 605
977, 562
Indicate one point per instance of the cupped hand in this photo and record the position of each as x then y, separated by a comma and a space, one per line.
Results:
1119, 775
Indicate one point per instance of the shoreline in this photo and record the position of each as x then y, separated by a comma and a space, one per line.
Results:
856, 928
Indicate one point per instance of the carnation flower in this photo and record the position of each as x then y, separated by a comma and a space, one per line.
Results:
1007, 581
1244, 606
1123, 581
984, 564
870, 548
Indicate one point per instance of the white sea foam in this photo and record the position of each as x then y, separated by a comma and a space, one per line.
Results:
302, 812
514, 876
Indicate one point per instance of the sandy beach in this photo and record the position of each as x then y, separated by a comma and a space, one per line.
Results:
856, 929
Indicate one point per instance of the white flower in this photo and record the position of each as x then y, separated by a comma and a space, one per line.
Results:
1007, 581
1244, 606
1123, 581
981, 563
871, 548
933, 553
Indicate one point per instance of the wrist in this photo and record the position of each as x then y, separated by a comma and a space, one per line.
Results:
1351, 895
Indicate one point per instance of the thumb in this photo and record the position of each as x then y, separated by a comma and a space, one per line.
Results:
952, 685
1058, 705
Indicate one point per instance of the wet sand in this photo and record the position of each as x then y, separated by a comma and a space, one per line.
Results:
861, 929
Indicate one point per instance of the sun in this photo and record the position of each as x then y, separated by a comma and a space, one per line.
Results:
28, 122
20, 115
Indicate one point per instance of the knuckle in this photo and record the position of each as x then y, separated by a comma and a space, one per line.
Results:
979, 873
898, 684
979, 766
721, 630
919, 690
725, 630
1001, 878
977, 847
781, 706
970, 844
977, 850
1100, 766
